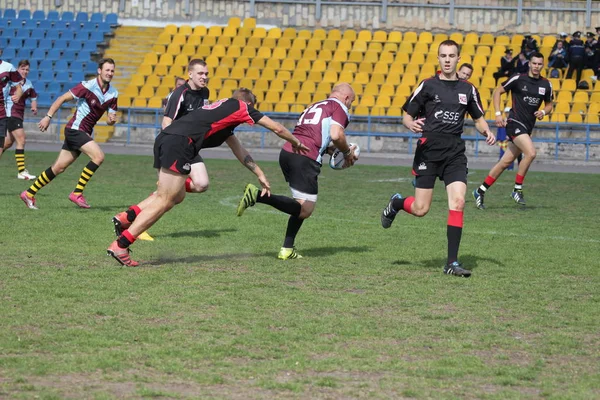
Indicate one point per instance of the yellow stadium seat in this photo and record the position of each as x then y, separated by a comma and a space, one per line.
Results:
230, 84
309, 87
160, 69
159, 48
221, 72
394, 112
340, 55
548, 41
432, 58
579, 107
234, 22
410, 37
381, 68
289, 33
386, 90
304, 98
268, 73
310, 54
140, 102
212, 61
324, 87
279, 53
315, 76
259, 33
352, 67
124, 101
425, 37
581, 97
335, 66
281, 107
174, 49
319, 65
273, 63
383, 101
457, 37
346, 76
237, 73
264, 52
590, 118
203, 51
361, 78
394, 37
378, 78
564, 96
595, 98
274, 33
170, 29
131, 91
345, 45
163, 91
294, 54
421, 47
440, 37
367, 100
409, 79
517, 40
229, 32
392, 79
244, 32
325, 55
284, 43
188, 50
150, 59
365, 67
262, 84
288, 65
487, 39
405, 48
200, 30
319, 34
249, 23
503, 40
218, 51
265, 106
305, 33
334, 34
390, 47
215, 31
153, 81
166, 59
360, 46
349, 34
209, 41
269, 42
182, 60
164, 39
303, 65
329, 44
272, 97
471, 38
292, 86
371, 57
379, 36
417, 58
299, 43
364, 35
361, 110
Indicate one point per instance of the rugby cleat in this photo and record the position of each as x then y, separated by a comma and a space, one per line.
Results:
287, 253
121, 255
456, 269
518, 197
25, 175
29, 201
389, 213
248, 200
478, 200
79, 200
121, 223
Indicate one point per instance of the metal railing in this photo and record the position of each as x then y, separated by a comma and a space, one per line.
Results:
371, 132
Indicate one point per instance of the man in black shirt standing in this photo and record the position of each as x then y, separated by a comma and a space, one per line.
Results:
576, 54
528, 91
443, 100
175, 149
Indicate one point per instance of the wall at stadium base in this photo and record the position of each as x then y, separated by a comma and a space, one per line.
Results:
542, 19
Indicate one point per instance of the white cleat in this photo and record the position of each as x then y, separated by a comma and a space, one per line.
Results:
25, 175
29, 201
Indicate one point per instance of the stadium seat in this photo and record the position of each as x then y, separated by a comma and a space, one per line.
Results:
410, 37
112, 19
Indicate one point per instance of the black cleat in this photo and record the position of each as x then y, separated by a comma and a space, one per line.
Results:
518, 197
456, 269
389, 213
478, 200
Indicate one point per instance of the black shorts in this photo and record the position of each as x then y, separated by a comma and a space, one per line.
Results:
174, 152
300, 172
14, 124
514, 129
3, 127
75, 139
442, 157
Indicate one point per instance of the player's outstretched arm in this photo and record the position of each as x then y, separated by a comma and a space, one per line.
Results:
482, 126
43, 125
247, 161
283, 133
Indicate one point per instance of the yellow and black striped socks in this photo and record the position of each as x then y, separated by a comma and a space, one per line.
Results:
86, 175
42, 180
20, 158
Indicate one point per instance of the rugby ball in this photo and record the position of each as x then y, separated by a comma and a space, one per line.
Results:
337, 158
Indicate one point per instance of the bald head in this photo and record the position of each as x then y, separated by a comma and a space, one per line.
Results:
344, 93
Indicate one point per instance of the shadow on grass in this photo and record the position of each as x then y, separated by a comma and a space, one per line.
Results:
207, 233
162, 260
468, 261
327, 251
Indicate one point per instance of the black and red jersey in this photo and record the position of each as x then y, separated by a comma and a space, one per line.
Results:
444, 104
184, 100
527, 94
211, 125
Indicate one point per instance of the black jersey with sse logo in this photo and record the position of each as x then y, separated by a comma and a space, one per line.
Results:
211, 125
527, 95
444, 104
184, 100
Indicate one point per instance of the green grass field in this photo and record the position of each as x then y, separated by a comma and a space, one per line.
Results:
367, 313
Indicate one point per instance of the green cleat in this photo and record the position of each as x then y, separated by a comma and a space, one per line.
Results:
287, 253
248, 200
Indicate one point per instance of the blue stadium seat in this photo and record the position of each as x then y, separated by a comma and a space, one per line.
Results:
31, 24
53, 16
91, 69
54, 88
61, 65
75, 45
76, 65
52, 34
23, 33
83, 56
112, 19
97, 37
53, 55
15, 43
104, 27
63, 25
38, 15
44, 98
82, 36
59, 44
9, 13
81, 17
62, 76
69, 54
45, 25
38, 54
67, 35
4, 23
9, 33
77, 76
3, 42
24, 14
96, 18
30, 44
37, 34
23, 54
45, 44
9, 53
90, 46
67, 16
47, 75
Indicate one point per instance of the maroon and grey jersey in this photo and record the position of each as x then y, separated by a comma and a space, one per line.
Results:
92, 101
313, 126
211, 125
444, 105
17, 110
9, 77
184, 99
527, 94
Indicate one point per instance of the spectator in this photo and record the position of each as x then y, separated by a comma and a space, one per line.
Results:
562, 38
178, 82
507, 66
576, 56
558, 58
590, 46
522, 66
528, 46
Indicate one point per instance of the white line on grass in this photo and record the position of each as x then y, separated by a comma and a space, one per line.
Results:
232, 201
